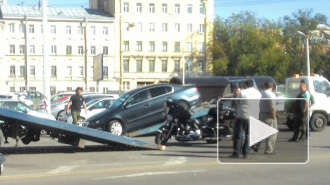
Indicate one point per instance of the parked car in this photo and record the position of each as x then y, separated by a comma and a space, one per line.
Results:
19, 106
35, 95
60, 95
142, 107
18, 96
59, 108
93, 107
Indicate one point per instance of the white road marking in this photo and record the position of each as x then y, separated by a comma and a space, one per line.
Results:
149, 174
62, 169
176, 161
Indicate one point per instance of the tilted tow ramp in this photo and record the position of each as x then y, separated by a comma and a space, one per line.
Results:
73, 130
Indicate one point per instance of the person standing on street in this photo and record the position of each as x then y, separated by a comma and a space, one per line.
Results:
75, 103
248, 106
300, 113
268, 116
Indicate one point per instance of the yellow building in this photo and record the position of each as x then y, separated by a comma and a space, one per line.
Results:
156, 39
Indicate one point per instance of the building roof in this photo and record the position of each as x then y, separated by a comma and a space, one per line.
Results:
53, 13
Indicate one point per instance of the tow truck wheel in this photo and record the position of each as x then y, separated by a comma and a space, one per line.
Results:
318, 122
115, 127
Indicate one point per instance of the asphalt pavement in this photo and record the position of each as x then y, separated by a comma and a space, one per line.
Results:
48, 162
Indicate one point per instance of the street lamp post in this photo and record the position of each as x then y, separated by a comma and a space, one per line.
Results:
205, 35
307, 51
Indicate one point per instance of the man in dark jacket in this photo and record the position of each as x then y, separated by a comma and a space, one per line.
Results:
75, 103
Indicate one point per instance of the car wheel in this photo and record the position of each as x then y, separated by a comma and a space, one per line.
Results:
81, 121
318, 122
58, 114
184, 104
115, 127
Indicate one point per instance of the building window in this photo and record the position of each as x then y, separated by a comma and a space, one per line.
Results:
92, 89
12, 28
126, 7
32, 70
126, 26
151, 46
53, 71
200, 65
12, 89
164, 8
53, 29
151, 7
31, 28
105, 90
126, 65
201, 28
189, 8
164, 27
93, 50
177, 8
177, 27
12, 49
22, 28
177, 66
138, 46
190, 65
105, 71
164, 65
22, 49
164, 46
152, 27
201, 9
80, 50
93, 30
32, 49
189, 28
105, 30
139, 26
139, 7
22, 89
68, 70
139, 65
53, 49
68, 29
80, 30
81, 71
151, 65
12, 71
105, 50
201, 47
69, 89
69, 50
21, 70
177, 46
126, 45
189, 46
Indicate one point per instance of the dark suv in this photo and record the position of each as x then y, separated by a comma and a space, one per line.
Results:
142, 107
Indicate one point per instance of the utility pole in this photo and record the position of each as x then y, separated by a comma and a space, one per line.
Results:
45, 57
84, 24
25, 52
205, 36
120, 51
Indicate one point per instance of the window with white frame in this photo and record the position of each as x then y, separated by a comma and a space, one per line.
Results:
152, 27
80, 50
177, 27
31, 28
164, 27
11, 27
139, 7
201, 9
138, 65
189, 46
53, 29
201, 28
126, 45
164, 46
126, 65
177, 8
126, 7
53, 71
164, 65
12, 49
22, 28
105, 30
105, 50
177, 46
68, 29
189, 28
164, 8
32, 70
151, 46
22, 71
151, 65
201, 65
12, 71
177, 65
93, 30
93, 50
189, 9
190, 65
53, 49
81, 71
105, 71
201, 47
68, 70
151, 7
69, 50
80, 30
32, 49
22, 49
139, 46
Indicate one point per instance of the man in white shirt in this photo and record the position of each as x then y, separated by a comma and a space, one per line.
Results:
268, 116
248, 106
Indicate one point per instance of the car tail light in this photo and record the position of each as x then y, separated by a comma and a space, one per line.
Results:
196, 89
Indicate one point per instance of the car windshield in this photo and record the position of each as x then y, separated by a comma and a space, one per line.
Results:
91, 102
121, 100
321, 86
15, 106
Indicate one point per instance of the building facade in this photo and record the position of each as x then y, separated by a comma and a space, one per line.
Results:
75, 36
156, 39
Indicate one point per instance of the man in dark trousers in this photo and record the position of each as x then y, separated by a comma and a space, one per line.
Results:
300, 113
75, 103
248, 106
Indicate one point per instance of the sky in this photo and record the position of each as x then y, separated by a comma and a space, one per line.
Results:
270, 9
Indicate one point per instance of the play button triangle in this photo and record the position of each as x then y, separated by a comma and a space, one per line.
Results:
259, 131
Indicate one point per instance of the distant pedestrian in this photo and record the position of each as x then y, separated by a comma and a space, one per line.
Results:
300, 113
75, 103
268, 116
248, 106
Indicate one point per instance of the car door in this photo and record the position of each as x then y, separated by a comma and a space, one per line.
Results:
136, 111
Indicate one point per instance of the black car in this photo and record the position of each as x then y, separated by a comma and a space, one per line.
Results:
142, 107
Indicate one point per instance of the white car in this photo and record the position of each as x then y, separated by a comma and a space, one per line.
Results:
19, 106
18, 96
93, 107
